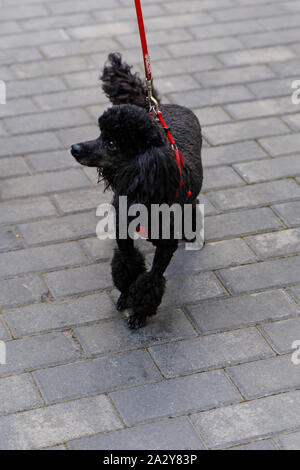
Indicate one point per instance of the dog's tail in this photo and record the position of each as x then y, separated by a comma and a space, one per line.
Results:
121, 86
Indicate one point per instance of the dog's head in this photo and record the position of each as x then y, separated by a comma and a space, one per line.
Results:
126, 131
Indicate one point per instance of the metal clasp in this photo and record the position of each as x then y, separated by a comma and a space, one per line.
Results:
152, 102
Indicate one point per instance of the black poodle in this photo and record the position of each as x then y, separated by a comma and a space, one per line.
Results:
136, 160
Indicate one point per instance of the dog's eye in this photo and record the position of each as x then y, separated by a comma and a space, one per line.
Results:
112, 147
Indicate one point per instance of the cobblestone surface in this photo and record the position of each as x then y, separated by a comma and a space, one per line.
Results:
216, 360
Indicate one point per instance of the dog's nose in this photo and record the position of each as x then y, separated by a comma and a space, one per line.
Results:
75, 150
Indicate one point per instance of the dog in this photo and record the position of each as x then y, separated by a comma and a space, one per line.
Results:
135, 159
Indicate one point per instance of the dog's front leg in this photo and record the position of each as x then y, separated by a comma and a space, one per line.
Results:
127, 264
146, 292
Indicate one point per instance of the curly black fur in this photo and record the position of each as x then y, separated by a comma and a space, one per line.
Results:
121, 86
125, 268
135, 159
145, 296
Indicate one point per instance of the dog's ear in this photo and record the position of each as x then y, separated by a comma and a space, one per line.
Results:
153, 178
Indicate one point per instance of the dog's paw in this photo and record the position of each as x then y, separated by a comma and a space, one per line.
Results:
122, 302
135, 322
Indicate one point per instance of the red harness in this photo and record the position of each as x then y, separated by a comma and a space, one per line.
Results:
152, 101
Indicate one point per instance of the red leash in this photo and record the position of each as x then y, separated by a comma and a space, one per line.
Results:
152, 101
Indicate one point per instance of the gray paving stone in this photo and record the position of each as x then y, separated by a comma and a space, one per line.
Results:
82, 200
251, 11
62, 447
114, 336
13, 167
82, 133
232, 153
18, 393
271, 88
50, 161
65, 7
171, 434
44, 121
281, 145
262, 378
295, 292
221, 177
98, 250
179, 20
4, 335
210, 352
71, 99
82, 79
43, 183
35, 352
149, 10
281, 335
293, 121
31, 143
266, 275
235, 75
191, 289
289, 441
13, 56
49, 316
190, 6
267, 107
169, 36
40, 259
257, 56
236, 131
221, 95
266, 444
178, 66
21, 291
10, 27
96, 376
34, 86
271, 38
275, 244
240, 223
23, 11
55, 66
291, 68
176, 83
80, 280
52, 22
9, 239
211, 115
243, 422
255, 195
209, 209
108, 29
269, 169
81, 418
28, 209
201, 47
233, 62
60, 229
213, 256
237, 312
188, 394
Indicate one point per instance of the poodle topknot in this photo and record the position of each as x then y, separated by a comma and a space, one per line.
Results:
136, 160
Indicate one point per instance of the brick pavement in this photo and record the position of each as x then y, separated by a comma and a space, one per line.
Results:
213, 369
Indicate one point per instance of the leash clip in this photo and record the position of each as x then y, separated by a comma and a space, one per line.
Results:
152, 102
